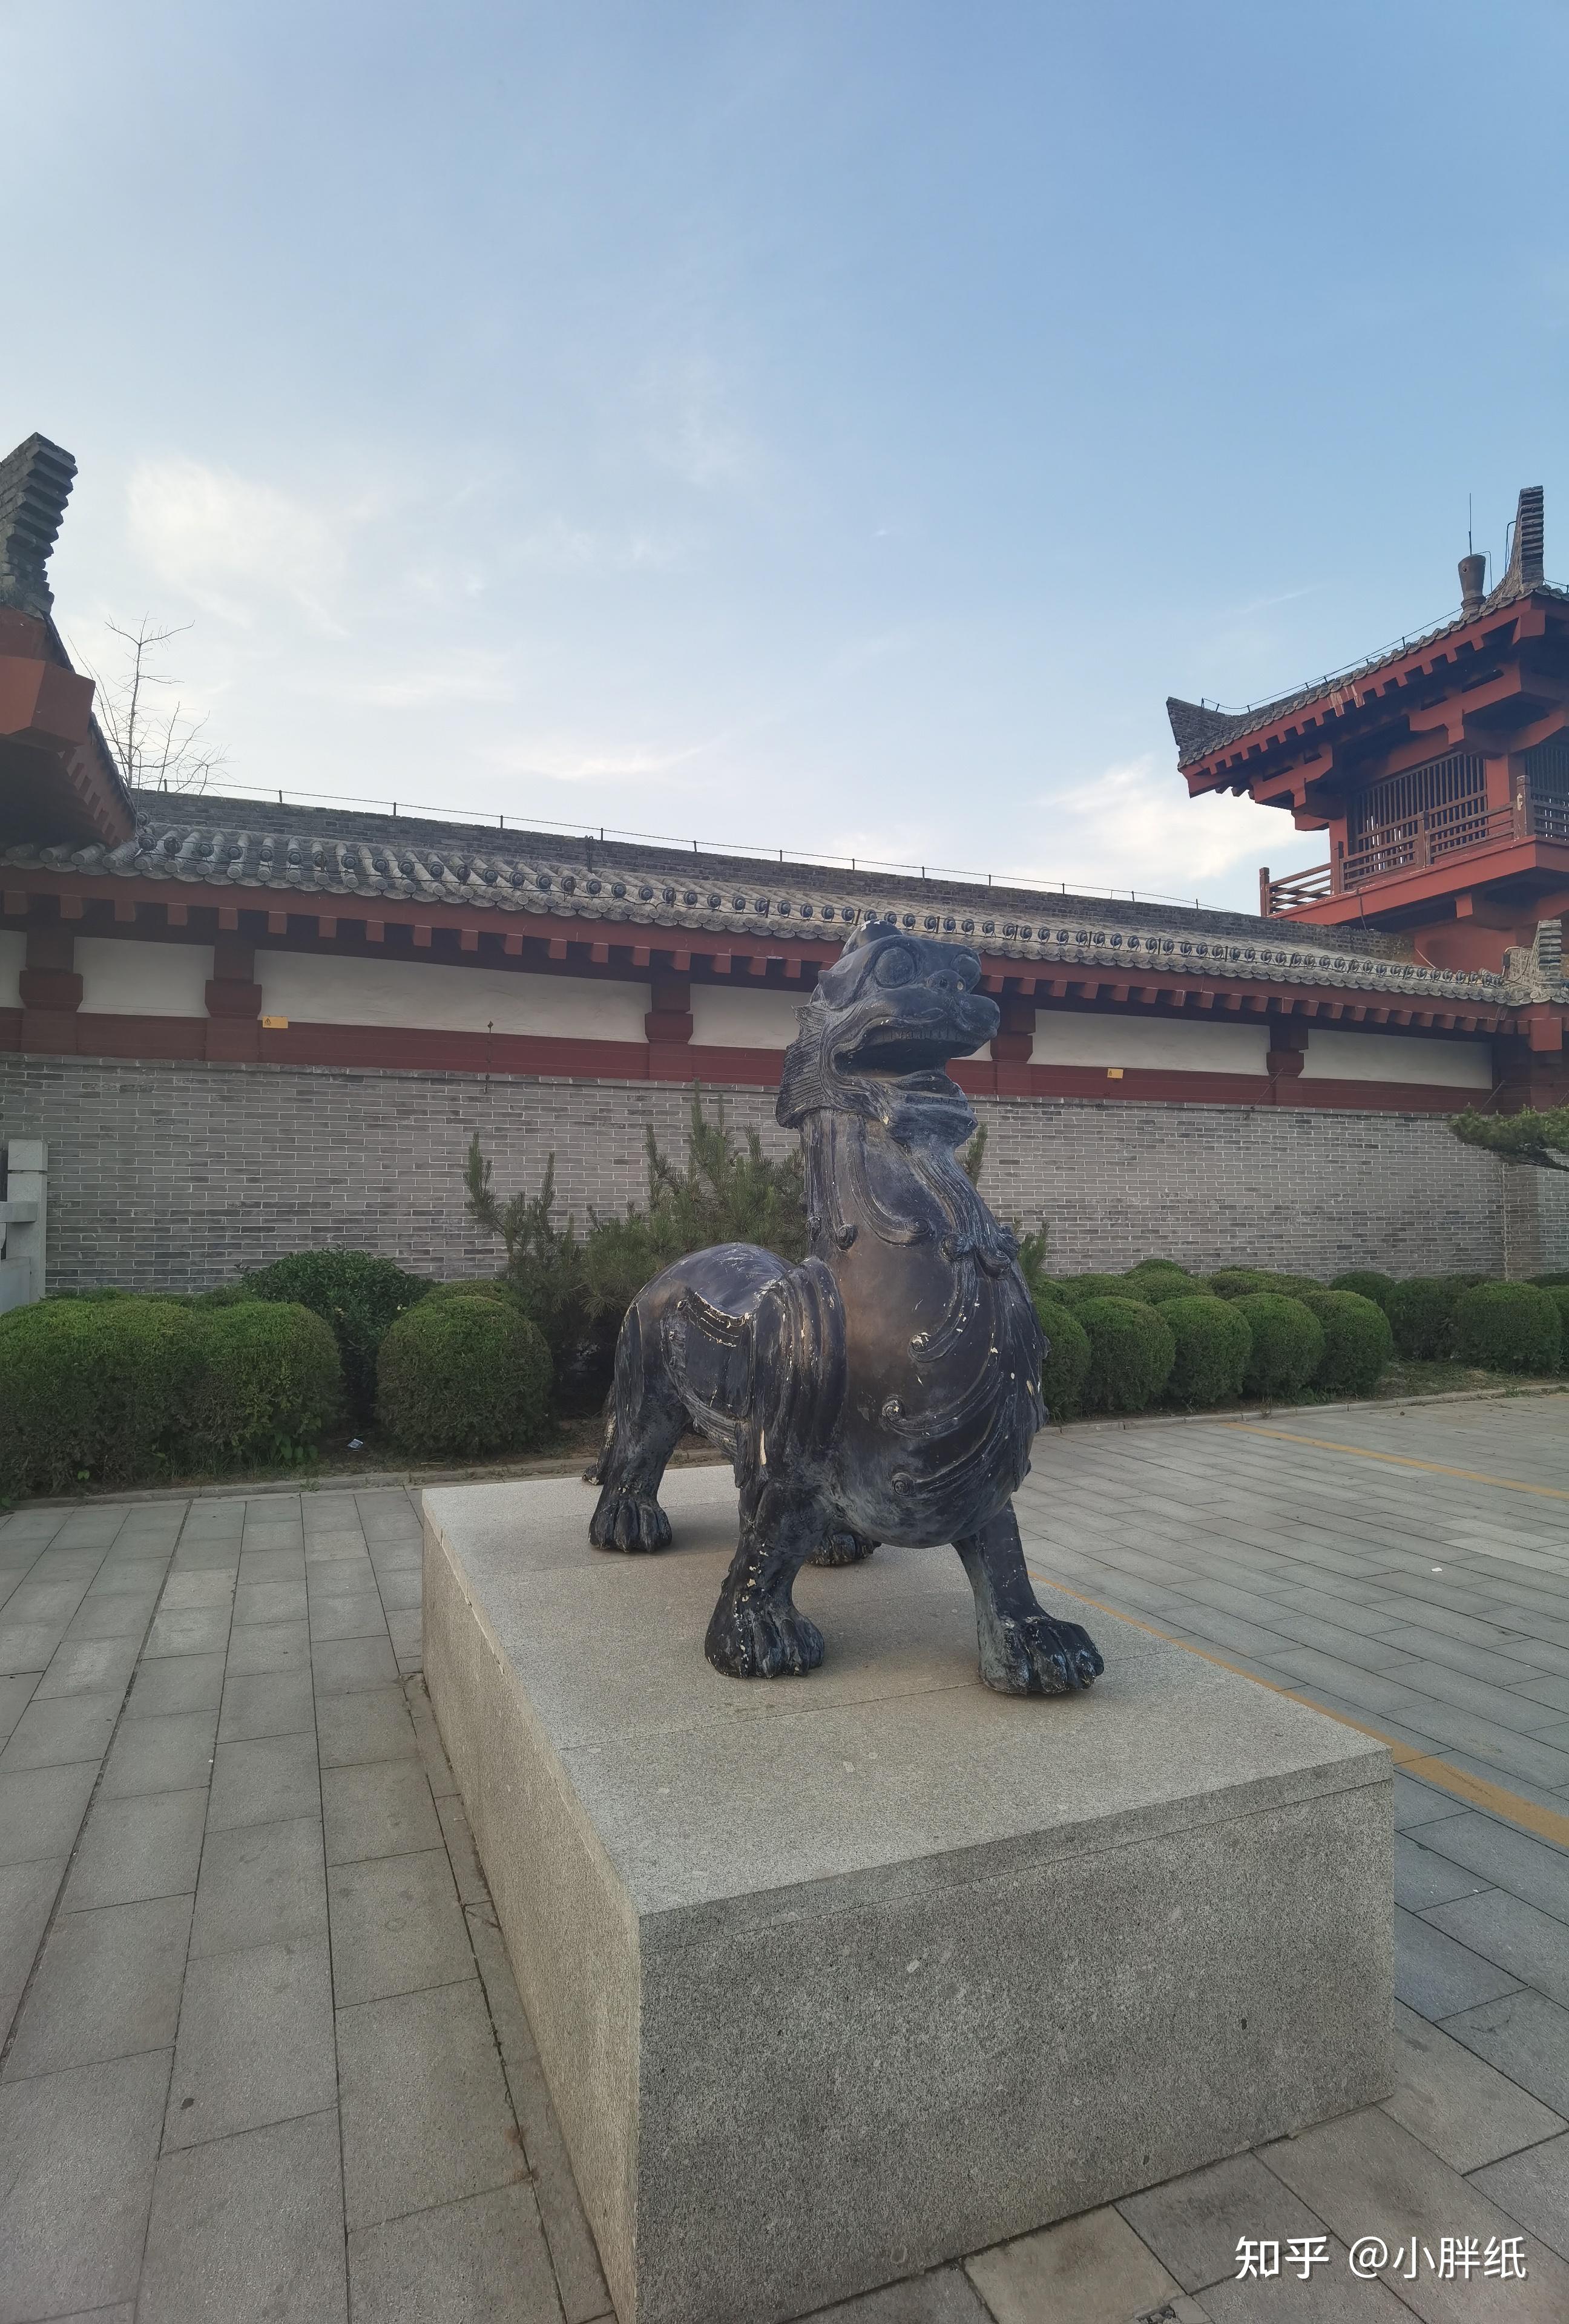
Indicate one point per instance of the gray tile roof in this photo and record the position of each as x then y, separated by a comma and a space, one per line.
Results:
326, 857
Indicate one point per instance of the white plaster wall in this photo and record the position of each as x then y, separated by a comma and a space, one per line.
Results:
121, 978
12, 954
1335, 1055
726, 1018
1170, 1045
319, 990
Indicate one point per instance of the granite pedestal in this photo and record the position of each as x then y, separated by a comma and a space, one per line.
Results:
835, 1977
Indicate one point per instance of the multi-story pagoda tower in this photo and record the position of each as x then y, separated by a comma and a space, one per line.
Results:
1439, 769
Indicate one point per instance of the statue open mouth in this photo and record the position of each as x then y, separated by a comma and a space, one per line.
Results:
914, 1056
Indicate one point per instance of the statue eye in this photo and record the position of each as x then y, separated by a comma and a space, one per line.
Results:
895, 965
967, 969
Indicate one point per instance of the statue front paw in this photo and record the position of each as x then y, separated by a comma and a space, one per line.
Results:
1032, 1653
629, 1520
758, 1640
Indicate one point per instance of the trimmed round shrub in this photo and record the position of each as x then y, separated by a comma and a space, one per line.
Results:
92, 1391
356, 1293
1288, 1343
1212, 1346
1551, 1282
268, 1381
1357, 1342
1131, 1352
1508, 1327
483, 1287
1366, 1283
1240, 1282
462, 1377
1158, 1278
1558, 1293
1075, 1287
1421, 1313
1068, 1359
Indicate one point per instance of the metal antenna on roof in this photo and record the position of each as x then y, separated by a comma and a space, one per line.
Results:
1470, 545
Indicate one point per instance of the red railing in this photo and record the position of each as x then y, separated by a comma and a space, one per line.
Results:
1413, 843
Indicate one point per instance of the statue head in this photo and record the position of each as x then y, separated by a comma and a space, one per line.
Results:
881, 1027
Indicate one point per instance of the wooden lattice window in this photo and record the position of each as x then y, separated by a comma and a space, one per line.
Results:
1547, 767
1446, 796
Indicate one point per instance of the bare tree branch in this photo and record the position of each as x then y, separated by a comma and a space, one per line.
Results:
153, 750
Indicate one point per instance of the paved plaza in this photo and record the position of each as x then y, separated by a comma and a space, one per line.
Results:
265, 2058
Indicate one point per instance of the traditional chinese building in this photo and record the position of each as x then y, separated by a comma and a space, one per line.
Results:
247, 1027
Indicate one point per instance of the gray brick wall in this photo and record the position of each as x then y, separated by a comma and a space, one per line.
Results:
174, 1177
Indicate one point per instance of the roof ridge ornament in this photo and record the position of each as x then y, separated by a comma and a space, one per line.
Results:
35, 484
1526, 568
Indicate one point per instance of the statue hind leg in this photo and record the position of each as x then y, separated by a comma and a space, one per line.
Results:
757, 1630
647, 1416
1024, 1650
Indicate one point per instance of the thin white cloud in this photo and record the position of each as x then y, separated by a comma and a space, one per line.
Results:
229, 544
558, 546
692, 429
1133, 825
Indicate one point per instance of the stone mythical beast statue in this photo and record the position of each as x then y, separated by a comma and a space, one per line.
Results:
887, 1388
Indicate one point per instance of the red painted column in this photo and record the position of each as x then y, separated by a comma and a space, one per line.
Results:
1012, 1044
668, 1027
51, 992
234, 1003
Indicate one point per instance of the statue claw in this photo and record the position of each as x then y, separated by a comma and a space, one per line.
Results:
629, 1521
1034, 1654
760, 1641
841, 1549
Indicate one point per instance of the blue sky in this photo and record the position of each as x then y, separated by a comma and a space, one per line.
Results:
828, 427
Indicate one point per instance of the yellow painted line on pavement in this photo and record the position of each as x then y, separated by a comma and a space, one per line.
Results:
1400, 1461
1545, 1823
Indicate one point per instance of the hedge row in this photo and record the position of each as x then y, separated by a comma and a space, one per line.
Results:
1119, 1341
105, 1392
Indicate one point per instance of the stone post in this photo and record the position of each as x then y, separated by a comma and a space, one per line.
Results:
23, 1221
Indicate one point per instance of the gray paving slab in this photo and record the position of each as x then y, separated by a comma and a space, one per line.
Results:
401, 1593
397, 1926
89, 1666
267, 1780
181, 1683
249, 2229
205, 1587
60, 1730
16, 1693
255, 2042
27, 1895
270, 1601
945, 2296
107, 1984
1528, 1945
41, 1810
123, 1614
269, 1646
28, 1646
173, 1753
261, 1884
471, 2262
462, 1853
340, 1577
1526, 2038
326, 1548
352, 1665
138, 1848
1422, 1877
1533, 2188
1455, 2103
1093, 2268
120, 1577
189, 1630
1366, 2175
354, 1730
453, 2134
381, 1810
53, 1602
272, 1565
360, 1616
267, 1702
1193, 2223
77, 2155
1506, 1858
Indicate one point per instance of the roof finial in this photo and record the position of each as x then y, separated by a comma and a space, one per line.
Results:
35, 482
1526, 569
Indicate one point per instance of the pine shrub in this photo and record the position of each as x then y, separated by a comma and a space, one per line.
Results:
1212, 1346
1288, 1343
1508, 1327
1068, 1359
462, 1377
1366, 1283
1421, 1313
356, 1295
1131, 1352
1358, 1340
